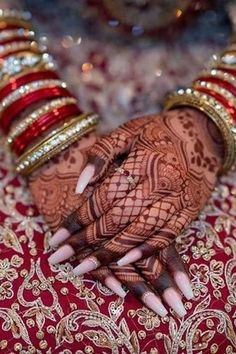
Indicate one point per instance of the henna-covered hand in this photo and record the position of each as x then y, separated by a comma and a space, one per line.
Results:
53, 189
170, 169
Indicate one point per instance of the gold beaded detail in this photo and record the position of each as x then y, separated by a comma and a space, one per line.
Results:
217, 89
22, 45
219, 74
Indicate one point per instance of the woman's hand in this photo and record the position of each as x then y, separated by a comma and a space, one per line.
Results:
53, 189
168, 173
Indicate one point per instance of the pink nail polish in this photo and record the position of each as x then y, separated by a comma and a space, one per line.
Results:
86, 266
84, 178
61, 254
173, 299
60, 236
131, 257
184, 284
154, 303
113, 284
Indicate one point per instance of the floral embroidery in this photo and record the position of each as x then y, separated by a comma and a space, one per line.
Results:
148, 319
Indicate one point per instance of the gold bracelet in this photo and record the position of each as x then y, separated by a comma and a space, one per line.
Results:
55, 142
217, 89
9, 34
214, 110
219, 74
5, 22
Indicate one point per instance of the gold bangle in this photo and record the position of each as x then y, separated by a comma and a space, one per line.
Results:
9, 34
217, 89
14, 17
55, 142
21, 126
214, 110
219, 74
5, 22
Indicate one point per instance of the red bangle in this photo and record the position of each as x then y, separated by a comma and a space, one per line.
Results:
19, 105
43, 124
14, 84
229, 87
231, 110
227, 70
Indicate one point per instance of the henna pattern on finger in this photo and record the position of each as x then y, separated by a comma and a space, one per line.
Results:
179, 167
110, 147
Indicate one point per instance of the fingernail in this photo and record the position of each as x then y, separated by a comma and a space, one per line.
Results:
86, 266
113, 284
155, 304
59, 236
184, 284
173, 299
84, 178
61, 254
132, 256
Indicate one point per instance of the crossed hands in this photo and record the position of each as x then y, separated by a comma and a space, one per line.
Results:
141, 187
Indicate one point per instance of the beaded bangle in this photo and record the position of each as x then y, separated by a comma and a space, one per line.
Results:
23, 63
56, 142
27, 77
28, 88
213, 109
35, 115
23, 80
228, 105
215, 82
43, 124
17, 47
21, 104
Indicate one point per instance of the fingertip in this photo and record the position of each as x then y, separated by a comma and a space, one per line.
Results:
131, 257
154, 303
173, 299
86, 266
60, 235
184, 284
84, 178
61, 254
113, 284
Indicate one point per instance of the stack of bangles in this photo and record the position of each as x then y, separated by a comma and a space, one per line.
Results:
214, 93
27, 78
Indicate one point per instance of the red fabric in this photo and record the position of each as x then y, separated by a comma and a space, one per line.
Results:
43, 308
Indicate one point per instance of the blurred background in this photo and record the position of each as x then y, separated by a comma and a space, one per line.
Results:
122, 56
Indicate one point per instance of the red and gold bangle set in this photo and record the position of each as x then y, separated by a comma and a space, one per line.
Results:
28, 78
214, 93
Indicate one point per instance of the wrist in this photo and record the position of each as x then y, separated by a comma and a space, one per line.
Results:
208, 133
